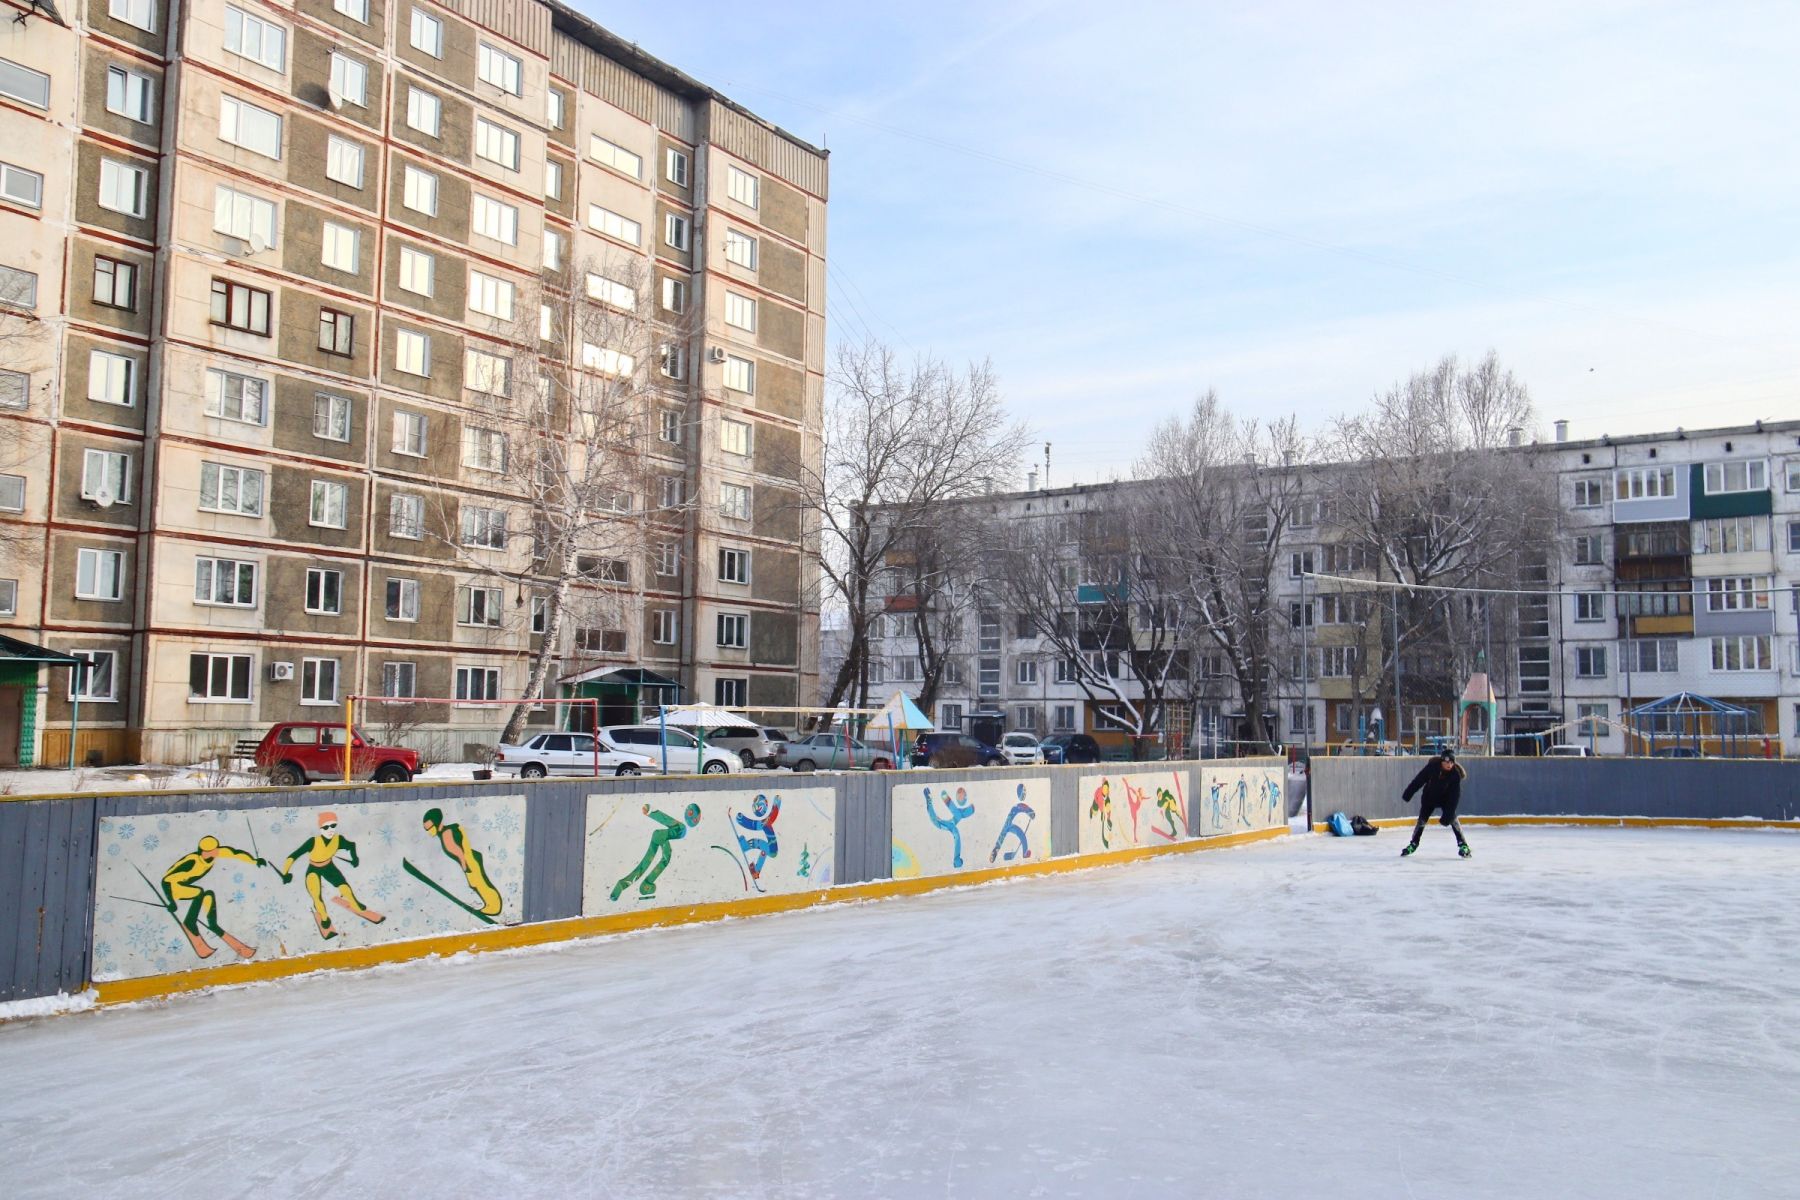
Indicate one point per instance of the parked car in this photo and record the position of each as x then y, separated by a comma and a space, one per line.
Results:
1568, 750
752, 746
567, 754
296, 752
684, 751
1021, 749
954, 750
1070, 748
817, 750
1676, 752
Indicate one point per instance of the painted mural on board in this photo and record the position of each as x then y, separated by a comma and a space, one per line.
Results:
1139, 808
662, 848
188, 891
1234, 798
941, 829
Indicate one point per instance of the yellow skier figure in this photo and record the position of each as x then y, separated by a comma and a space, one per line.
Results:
321, 851
180, 885
455, 843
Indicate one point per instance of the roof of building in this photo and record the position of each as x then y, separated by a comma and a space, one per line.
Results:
13, 650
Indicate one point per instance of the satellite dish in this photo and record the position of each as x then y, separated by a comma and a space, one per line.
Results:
257, 245
103, 497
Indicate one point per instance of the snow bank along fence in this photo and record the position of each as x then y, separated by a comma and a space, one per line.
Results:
1602, 789
148, 893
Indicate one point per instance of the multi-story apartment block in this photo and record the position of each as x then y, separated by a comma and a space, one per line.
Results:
263, 266
1676, 569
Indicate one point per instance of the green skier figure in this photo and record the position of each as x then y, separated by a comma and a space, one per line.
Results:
658, 850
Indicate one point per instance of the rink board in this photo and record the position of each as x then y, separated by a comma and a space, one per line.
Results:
947, 828
1236, 798
712, 854
138, 928
1135, 808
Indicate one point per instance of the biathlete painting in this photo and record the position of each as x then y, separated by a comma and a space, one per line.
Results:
181, 885
321, 854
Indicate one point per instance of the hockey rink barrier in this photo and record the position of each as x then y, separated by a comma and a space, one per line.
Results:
148, 893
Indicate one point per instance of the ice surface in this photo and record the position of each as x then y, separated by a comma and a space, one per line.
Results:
1574, 1013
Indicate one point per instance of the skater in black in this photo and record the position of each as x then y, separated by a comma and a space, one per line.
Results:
1441, 783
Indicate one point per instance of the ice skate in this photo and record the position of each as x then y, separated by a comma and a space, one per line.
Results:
1410, 847
1463, 851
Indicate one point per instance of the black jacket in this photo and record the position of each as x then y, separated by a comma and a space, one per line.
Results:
1442, 788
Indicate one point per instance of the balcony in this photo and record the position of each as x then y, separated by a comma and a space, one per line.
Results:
1653, 608
1667, 540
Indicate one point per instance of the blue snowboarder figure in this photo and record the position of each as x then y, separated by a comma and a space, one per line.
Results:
760, 823
1272, 793
959, 810
1021, 809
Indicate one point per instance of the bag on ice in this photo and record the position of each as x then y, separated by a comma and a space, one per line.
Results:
1340, 825
1360, 826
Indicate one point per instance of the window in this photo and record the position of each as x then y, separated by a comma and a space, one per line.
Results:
406, 516
318, 681
412, 352
235, 397
9, 597
600, 641
427, 33
225, 581
1742, 654
492, 219
553, 250
255, 129
356, 10
611, 291
740, 185
1590, 550
1731, 535
734, 566
253, 38
1590, 493
477, 683
1793, 542
734, 631
344, 161
675, 167
218, 677
399, 679
106, 475
337, 332
15, 389
324, 591
124, 187
614, 225
1590, 606
1644, 483
1740, 593
734, 436
606, 570
490, 374
238, 306
501, 69
112, 378
350, 79
496, 143
740, 248
671, 360
483, 449
1300, 564
419, 190
1590, 662
244, 216
12, 493
611, 154
97, 682
670, 426
674, 295
18, 288
402, 599
409, 433
479, 605
342, 250
490, 296
331, 417
606, 360
330, 501
1300, 615
671, 491
1792, 468
417, 271
99, 574
483, 527
731, 693
675, 231
668, 558
1651, 657
1338, 662
554, 105
1026, 670
21, 186
740, 374
1534, 669
1744, 475
665, 625
740, 311
24, 84
734, 501
553, 176
1593, 718
130, 95
424, 111
115, 283
235, 490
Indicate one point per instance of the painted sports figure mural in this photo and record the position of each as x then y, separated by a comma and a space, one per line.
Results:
1242, 795
1155, 810
934, 824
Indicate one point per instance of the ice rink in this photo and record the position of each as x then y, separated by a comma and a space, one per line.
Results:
1573, 1013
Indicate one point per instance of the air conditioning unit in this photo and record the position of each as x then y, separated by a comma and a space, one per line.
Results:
715, 354
279, 671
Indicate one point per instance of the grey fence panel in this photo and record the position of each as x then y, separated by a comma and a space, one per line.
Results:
44, 918
555, 849
1065, 810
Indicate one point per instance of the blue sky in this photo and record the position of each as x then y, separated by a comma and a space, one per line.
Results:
1124, 204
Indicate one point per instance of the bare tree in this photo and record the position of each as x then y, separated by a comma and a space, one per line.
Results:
901, 439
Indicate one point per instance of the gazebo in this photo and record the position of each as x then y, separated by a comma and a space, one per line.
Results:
1692, 719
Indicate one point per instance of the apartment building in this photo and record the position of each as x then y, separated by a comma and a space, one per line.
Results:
263, 272
1675, 569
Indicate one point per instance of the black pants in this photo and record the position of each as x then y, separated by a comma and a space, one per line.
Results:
1449, 819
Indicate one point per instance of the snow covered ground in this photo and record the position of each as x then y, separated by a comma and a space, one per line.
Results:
1574, 1013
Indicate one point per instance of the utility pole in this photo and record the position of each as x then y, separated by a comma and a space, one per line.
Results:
1397, 709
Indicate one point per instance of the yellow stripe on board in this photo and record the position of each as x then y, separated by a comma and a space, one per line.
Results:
1597, 822
150, 987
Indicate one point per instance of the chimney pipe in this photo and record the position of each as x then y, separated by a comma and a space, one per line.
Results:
1562, 431
1031, 480
1515, 435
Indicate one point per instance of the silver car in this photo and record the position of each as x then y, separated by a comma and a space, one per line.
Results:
566, 754
752, 746
683, 750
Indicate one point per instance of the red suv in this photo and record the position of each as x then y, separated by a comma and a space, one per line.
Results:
296, 752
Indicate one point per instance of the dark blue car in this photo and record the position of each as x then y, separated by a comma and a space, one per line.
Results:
954, 750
